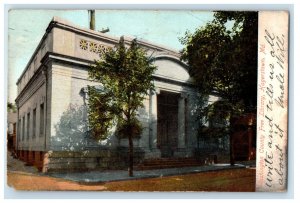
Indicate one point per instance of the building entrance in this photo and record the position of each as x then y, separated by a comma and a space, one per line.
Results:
167, 123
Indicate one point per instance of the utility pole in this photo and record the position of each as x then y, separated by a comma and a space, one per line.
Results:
92, 19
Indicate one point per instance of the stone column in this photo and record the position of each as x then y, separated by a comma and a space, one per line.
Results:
153, 123
182, 121
187, 122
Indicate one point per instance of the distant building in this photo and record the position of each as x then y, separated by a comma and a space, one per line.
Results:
52, 119
244, 137
11, 130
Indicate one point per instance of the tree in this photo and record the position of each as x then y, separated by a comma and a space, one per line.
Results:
125, 75
11, 107
222, 56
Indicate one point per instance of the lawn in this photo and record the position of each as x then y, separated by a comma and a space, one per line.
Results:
236, 180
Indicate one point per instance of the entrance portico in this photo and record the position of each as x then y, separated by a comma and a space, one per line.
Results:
168, 130
169, 110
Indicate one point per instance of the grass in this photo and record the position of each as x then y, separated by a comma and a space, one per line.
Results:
236, 180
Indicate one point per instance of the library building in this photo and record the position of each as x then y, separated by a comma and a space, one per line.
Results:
52, 122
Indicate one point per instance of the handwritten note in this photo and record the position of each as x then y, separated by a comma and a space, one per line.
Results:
272, 105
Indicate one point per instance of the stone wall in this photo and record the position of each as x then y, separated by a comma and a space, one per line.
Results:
96, 159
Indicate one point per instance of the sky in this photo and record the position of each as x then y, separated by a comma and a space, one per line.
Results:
26, 28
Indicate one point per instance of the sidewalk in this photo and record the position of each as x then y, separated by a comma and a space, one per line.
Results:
17, 166
119, 175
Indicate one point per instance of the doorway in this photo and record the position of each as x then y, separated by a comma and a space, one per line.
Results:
167, 123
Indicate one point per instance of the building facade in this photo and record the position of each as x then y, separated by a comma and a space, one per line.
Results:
52, 131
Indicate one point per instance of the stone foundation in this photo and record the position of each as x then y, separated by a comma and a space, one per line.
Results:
87, 160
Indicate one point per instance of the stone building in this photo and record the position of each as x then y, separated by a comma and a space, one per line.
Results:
52, 120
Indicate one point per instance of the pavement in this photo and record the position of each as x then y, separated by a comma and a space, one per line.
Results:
17, 166
120, 175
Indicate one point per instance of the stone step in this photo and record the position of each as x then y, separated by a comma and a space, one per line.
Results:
170, 163
167, 163
164, 166
170, 159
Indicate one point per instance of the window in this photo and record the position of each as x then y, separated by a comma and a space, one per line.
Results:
28, 125
41, 119
34, 123
33, 156
19, 130
41, 156
23, 128
14, 128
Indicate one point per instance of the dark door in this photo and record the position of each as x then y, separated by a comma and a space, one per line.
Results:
167, 129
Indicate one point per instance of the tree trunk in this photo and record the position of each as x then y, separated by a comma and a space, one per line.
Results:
130, 154
231, 149
231, 143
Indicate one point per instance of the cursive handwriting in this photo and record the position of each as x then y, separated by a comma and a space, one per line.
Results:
279, 170
279, 99
277, 51
269, 165
273, 86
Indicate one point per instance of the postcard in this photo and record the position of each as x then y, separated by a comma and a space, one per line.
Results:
147, 100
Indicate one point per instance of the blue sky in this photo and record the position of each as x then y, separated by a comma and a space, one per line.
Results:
26, 28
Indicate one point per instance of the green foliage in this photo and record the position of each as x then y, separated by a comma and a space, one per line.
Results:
222, 57
124, 128
125, 74
11, 107
101, 112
